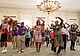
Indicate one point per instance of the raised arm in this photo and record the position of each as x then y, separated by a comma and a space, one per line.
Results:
51, 27
43, 22
34, 27
10, 21
67, 24
60, 19
27, 26
52, 20
76, 26
9, 17
0, 26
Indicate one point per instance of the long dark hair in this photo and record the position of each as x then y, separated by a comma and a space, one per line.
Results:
38, 23
72, 25
63, 26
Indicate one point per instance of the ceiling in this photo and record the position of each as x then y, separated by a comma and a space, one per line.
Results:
66, 5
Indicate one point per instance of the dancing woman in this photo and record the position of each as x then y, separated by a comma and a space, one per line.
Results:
58, 41
38, 36
43, 23
64, 35
73, 36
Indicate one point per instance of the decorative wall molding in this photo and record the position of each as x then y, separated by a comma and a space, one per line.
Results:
33, 13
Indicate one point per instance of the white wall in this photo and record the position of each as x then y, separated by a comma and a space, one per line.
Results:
29, 16
79, 19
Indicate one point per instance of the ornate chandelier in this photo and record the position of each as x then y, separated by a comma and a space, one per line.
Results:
49, 6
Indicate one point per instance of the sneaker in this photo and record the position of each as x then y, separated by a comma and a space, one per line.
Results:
71, 49
27, 48
3, 51
22, 50
19, 52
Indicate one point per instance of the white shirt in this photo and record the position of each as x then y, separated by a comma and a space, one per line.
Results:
64, 30
67, 33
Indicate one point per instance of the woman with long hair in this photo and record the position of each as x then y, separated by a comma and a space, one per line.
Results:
38, 36
73, 36
64, 35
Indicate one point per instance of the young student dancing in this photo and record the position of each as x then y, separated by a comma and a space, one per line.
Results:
4, 32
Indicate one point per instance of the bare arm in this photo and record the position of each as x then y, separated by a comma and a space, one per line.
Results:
67, 24
42, 20
76, 26
27, 26
60, 19
51, 27
9, 17
34, 27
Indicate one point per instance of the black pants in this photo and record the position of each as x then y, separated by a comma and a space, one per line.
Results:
27, 42
52, 47
72, 45
47, 41
3, 37
59, 49
64, 40
66, 37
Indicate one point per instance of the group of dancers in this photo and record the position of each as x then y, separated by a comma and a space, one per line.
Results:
24, 36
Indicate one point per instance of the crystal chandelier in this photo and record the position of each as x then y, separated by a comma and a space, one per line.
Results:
49, 6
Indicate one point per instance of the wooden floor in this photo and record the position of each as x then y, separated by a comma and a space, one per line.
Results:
45, 51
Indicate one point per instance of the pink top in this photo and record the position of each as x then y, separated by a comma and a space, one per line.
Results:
38, 34
38, 28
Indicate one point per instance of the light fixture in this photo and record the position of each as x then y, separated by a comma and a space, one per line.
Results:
49, 6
